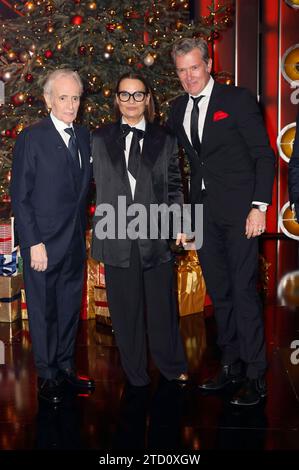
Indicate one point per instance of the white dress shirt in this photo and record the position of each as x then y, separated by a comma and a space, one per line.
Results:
202, 108
60, 126
140, 125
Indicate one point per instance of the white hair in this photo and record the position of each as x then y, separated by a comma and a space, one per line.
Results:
61, 73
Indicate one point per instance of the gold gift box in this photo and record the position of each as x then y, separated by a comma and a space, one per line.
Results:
101, 306
191, 286
10, 298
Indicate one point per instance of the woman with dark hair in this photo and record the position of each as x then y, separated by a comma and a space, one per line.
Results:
135, 169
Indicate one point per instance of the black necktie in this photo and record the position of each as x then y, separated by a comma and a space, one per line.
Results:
134, 155
73, 146
194, 124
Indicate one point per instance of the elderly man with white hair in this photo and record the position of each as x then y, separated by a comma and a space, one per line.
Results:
50, 180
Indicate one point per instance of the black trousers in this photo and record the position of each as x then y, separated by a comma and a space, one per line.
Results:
230, 265
142, 303
53, 301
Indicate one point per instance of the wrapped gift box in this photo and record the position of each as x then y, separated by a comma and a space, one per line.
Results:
191, 286
7, 236
9, 264
10, 298
101, 306
94, 276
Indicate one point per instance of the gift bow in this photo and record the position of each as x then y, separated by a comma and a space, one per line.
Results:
8, 268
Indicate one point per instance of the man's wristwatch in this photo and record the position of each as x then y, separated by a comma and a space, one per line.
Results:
260, 207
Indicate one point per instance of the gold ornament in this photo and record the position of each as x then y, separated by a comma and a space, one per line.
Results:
11, 55
179, 25
92, 5
39, 61
293, 3
109, 47
148, 60
50, 28
285, 141
120, 27
287, 222
290, 64
288, 290
29, 6
24, 56
155, 44
131, 60
106, 91
59, 46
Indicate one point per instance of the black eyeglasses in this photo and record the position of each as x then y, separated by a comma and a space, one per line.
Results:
137, 96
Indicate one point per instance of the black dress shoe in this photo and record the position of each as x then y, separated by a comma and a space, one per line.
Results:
77, 381
252, 393
49, 390
228, 374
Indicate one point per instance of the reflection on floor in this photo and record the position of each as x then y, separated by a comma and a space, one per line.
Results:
162, 416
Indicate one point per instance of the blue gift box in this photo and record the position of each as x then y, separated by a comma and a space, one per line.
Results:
9, 264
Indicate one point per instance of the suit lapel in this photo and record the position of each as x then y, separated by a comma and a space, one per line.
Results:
115, 148
208, 124
84, 149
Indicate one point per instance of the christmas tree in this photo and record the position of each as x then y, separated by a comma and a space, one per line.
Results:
101, 40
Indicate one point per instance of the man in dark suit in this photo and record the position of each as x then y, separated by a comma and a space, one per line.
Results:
232, 171
50, 179
293, 181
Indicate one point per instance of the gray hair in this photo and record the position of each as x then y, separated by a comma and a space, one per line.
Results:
185, 45
61, 73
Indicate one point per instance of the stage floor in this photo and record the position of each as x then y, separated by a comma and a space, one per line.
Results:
165, 416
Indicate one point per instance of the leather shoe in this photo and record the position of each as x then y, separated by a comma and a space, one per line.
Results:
77, 381
228, 374
49, 390
252, 393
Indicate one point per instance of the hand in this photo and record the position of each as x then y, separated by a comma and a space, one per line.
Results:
181, 238
255, 223
39, 258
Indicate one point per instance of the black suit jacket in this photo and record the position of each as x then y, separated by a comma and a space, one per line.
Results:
294, 172
158, 181
46, 202
236, 160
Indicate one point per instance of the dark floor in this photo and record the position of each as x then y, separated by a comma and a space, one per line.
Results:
164, 417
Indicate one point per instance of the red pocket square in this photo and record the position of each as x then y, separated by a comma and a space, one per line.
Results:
220, 115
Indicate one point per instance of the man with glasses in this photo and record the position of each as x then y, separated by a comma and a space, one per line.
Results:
232, 172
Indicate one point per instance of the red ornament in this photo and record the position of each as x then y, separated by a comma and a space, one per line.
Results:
91, 210
110, 27
29, 77
77, 20
82, 50
48, 54
6, 198
17, 99
13, 133
139, 65
8, 133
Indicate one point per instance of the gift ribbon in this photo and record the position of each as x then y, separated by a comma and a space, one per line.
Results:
4, 240
10, 299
